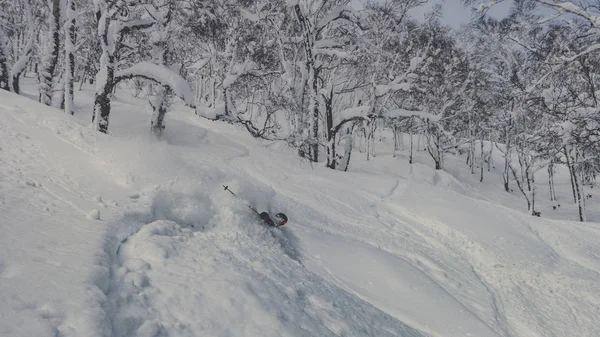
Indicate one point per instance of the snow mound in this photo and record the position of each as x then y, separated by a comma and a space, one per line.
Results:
94, 215
169, 276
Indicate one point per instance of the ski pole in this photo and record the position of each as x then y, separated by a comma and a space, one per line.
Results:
244, 201
228, 190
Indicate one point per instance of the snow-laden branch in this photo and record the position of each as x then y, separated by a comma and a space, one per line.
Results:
201, 63
343, 122
484, 7
395, 113
335, 52
382, 90
335, 14
161, 75
327, 43
403, 82
590, 49
569, 7
350, 113
292, 39
129, 26
237, 70
534, 85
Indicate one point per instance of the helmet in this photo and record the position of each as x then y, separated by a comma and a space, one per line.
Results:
281, 219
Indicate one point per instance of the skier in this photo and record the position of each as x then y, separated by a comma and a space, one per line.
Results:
280, 218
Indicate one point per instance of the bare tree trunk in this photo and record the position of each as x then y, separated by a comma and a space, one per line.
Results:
48, 72
490, 158
4, 74
571, 174
551, 182
434, 152
395, 139
577, 186
315, 119
82, 79
368, 142
580, 197
521, 187
226, 103
331, 155
371, 139
471, 155
532, 194
345, 161
104, 79
481, 159
21, 64
434, 146
507, 155
62, 91
505, 174
309, 42
102, 102
69, 56
410, 157
400, 138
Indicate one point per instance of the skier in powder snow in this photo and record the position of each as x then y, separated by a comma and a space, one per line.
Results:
280, 219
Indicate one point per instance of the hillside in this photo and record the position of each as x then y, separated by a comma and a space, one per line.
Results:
122, 235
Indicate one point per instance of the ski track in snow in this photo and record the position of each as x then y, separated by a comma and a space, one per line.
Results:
40, 264
385, 250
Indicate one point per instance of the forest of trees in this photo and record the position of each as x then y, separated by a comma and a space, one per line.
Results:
323, 74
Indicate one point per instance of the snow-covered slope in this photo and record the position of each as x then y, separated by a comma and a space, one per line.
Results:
386, 250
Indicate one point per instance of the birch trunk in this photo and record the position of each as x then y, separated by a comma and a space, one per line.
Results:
48, 72
105, 77
69, 56
4, 75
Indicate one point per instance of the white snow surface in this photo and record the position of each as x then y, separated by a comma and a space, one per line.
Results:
387, 249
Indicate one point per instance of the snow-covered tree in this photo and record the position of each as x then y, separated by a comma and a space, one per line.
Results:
116, 20
549, 65
443, 87
162, 12
324, 76
27, 50
384, 65
18, 34
319, 24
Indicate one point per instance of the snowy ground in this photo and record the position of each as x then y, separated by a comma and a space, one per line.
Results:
388, 249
